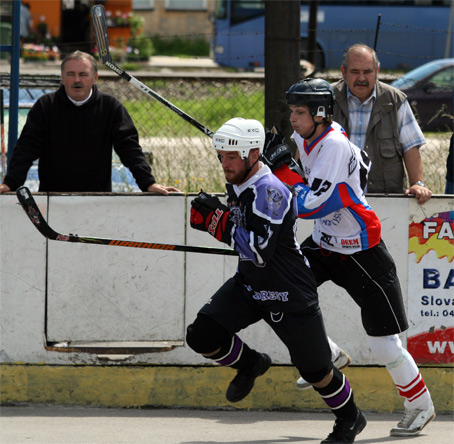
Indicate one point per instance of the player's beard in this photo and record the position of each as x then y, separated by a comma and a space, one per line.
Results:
235, 178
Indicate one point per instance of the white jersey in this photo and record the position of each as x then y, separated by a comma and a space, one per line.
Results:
336, 172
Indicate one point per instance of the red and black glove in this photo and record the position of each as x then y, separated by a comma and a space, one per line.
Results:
209, 214
278, 156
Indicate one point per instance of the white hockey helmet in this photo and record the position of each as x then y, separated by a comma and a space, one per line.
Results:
241, 135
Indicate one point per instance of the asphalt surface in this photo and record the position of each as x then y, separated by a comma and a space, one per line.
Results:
43, 424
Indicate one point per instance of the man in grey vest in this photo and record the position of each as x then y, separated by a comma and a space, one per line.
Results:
378, 118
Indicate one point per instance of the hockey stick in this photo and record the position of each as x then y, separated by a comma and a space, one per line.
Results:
2, 129
102, 40
31, 209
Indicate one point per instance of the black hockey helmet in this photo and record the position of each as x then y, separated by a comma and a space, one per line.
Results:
316, 94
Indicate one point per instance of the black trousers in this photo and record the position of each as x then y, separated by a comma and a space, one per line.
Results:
303, 333
370, 278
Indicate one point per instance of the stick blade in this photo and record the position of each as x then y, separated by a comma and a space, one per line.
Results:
100, 27
31, 209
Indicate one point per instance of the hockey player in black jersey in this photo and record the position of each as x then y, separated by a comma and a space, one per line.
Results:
272, 282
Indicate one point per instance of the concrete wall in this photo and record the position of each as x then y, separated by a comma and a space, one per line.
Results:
74, 293
57, 295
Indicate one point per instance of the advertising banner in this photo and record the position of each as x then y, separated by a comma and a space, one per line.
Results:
431, 283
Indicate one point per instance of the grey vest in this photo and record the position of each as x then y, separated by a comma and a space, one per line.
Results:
387, 174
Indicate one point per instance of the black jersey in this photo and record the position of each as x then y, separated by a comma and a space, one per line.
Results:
271, 267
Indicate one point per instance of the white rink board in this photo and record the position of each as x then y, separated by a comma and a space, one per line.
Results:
22, 283
104, 293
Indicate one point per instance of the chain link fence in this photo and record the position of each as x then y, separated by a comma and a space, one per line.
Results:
180, 154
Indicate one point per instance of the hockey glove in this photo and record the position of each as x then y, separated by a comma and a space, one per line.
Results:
209, 214
273, 138
275, 151
276, 156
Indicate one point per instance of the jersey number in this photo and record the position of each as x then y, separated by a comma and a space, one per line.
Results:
318, 187
364, 169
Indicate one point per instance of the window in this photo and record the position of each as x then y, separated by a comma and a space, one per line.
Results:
142, 4
190, 5
246, 10
444, 78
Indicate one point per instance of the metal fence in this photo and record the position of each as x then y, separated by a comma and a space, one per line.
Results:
179, 153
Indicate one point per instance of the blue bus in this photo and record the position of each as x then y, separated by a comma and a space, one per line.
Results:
410, 32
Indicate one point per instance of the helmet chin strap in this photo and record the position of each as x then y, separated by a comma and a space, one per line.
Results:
248, 168
320, 110
316, 124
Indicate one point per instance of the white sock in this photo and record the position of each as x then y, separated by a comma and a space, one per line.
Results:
403, 370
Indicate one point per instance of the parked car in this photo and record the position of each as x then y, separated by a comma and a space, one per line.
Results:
430, 92
122, 179
27, 98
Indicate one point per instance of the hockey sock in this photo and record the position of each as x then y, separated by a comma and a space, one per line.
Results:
339, 396
403, 370
409, 382
236, 354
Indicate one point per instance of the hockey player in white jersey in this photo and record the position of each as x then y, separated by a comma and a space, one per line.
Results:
346, 246
272, 282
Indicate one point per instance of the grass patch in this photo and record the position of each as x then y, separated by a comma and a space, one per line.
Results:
182, 154
212, 110
178, 47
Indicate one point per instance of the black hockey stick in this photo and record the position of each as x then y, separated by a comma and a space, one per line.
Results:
29, 205
102, 40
